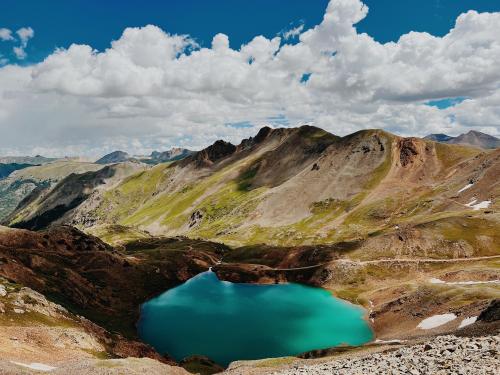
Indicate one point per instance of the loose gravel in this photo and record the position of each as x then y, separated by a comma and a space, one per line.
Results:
441, 355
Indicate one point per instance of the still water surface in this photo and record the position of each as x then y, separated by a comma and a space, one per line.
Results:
226, 321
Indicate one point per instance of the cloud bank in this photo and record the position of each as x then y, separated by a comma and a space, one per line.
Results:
152, 89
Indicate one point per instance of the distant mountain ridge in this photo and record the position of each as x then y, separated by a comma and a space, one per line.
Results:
33, 160
36, 179
7, 169
440, 137
175, 153
472, 138
114, 157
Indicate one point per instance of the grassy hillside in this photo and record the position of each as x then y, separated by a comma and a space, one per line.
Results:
353, 188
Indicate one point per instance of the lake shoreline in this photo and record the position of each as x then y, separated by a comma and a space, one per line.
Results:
323, 297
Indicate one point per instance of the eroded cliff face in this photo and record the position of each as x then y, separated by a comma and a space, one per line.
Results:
407, 151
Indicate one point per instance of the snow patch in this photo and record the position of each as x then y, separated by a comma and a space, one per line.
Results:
370, 312
475, 282
35, 366
465, 188
478, 206
467, 321
472, 202
438, 281
436, 321
481, 205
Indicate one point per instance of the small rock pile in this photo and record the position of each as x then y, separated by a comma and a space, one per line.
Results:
441, 355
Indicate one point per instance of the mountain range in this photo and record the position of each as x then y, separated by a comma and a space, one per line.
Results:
471, 138
409, 228
156, 157
32, 160
341, 187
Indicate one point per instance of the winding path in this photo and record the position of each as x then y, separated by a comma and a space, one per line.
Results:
378, 261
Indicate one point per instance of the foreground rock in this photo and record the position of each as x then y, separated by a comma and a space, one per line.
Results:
34, 330
441, 355
132, 366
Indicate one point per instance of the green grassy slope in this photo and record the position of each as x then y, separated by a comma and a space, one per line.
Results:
225, 203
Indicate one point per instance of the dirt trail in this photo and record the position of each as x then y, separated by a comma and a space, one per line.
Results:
378, 261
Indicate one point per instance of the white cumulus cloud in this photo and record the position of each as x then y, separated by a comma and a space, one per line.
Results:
19, 52
24, 34
5, 34
152, 89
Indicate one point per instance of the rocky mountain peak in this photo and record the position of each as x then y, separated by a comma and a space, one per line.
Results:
219, 150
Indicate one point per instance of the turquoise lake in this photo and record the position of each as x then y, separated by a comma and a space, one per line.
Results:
227, 322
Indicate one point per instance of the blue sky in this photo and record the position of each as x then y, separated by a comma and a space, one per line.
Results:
59, 23
409, 67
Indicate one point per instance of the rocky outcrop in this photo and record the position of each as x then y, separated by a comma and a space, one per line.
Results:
195, 219
40, 330
491, 313
407, 151
265, 133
